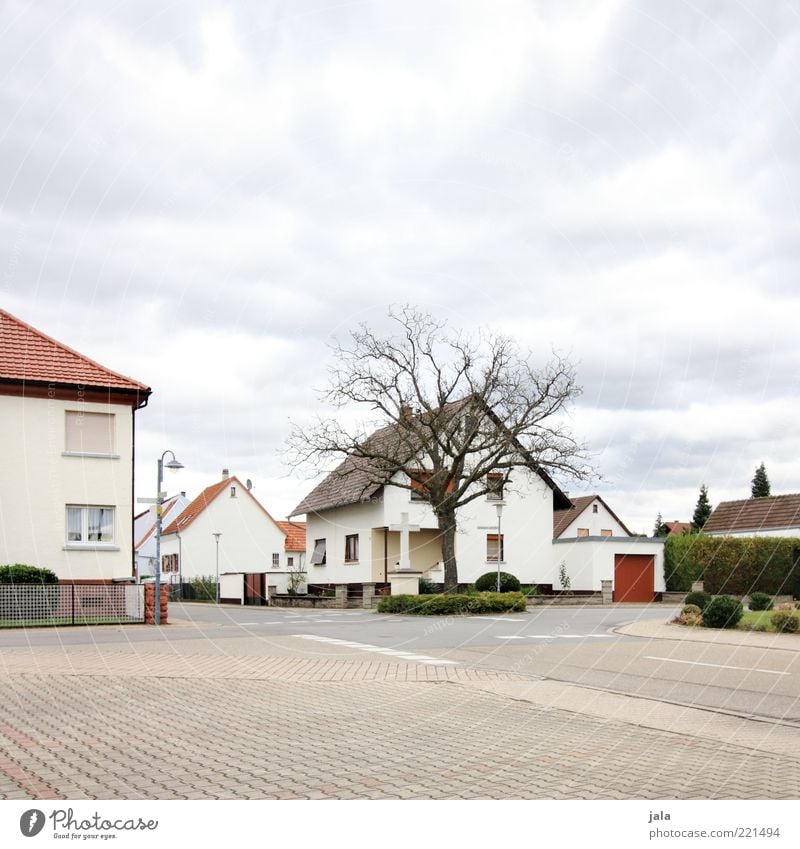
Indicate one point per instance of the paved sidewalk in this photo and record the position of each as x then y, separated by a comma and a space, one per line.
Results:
159, 725
720, 636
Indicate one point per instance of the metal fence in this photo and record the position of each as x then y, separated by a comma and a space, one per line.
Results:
26, 605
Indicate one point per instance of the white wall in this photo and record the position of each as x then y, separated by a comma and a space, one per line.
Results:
595, 522
249, 538
334, 526
589, 561
38, 482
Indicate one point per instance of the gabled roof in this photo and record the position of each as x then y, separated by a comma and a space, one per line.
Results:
30, 356
677, 528
772, 512
295, 535
357, 479
562, 519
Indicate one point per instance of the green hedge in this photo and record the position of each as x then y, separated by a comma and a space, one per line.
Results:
736, 565
18, 573
452, 605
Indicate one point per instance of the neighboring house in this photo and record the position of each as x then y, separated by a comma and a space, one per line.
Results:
589, 516
772, 515
354, 518
66, 452
144, 532
676, 528
251, 542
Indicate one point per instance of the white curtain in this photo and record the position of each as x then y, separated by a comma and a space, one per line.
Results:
74, 524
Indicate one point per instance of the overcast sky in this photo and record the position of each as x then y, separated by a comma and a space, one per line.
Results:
201, 194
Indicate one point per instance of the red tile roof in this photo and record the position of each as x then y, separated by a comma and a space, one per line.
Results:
677, 528
562, 519
166, 509
773, 512
27, 354
198, 505
295, 535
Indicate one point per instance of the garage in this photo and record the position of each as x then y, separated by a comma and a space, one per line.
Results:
634, 577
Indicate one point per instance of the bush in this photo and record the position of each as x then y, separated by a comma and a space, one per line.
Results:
530, 592
452, 605
427, 587
203, 588
761, 601
691, 610
17, 573
488, 583
690, 618
785, 621
722, 612
753, 626
699, 599
738, 565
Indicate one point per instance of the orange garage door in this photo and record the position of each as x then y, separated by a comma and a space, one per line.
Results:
633, 577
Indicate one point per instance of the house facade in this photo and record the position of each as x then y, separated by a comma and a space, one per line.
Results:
66, 450
773, 515
144, 532
355, 523
251, 542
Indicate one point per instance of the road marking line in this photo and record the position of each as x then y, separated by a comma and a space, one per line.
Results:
716, 665
415, 658
540, 636
510, 637
497, 619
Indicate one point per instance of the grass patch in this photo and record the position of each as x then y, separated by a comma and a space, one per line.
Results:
758, 620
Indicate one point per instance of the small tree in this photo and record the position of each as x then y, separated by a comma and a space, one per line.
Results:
563, 577
702, 510
660, 529
296, 579
760, 485
458, 417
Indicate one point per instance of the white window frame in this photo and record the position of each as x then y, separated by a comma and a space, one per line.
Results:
84, 541
351, 540
495, 492
492, 539
276, 560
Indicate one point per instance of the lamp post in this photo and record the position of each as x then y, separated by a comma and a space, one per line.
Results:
174, 465
216, 537
499, 508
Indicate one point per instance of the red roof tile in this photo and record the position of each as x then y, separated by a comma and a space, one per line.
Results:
562, 519
295, 535
27, 354
678, 528
197, 506
774, 512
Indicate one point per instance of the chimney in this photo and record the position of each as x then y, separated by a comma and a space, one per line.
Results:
406, 413
225, 474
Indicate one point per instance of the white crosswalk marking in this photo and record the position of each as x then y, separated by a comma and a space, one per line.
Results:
415, 658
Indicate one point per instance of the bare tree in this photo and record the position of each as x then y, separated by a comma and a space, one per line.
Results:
457, 415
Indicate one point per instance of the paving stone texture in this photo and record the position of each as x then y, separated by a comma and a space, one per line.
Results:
129, 725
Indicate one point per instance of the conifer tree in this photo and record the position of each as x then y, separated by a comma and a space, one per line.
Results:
702, 510
660, 529
760, 486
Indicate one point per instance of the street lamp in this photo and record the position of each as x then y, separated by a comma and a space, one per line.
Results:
173, 465
216, 537
499, 508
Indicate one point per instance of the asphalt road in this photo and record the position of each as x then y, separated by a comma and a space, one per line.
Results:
576, 645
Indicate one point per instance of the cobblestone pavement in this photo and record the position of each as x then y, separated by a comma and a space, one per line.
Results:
111, 724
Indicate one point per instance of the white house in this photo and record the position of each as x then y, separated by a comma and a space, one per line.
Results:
144, 532
250, 542
66, 451
772, 515
589, 516
354, 521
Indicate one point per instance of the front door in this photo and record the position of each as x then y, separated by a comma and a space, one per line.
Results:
255, 588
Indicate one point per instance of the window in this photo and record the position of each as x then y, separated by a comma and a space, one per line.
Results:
318, 557
233, 492
605, 533
494, 547
90, 525
351, 548
583, 532
89, 433
169, 563
290, 562
276, 559
419, 492
594, 508
494, 483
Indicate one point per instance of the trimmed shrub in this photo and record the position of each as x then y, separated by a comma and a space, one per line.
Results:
691, 609
427, 587
690, 618
785, 622
761, 601
452, 605
737, 565
488, 583
17, 573
753, 626
530, 592
722, 612
699, 599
